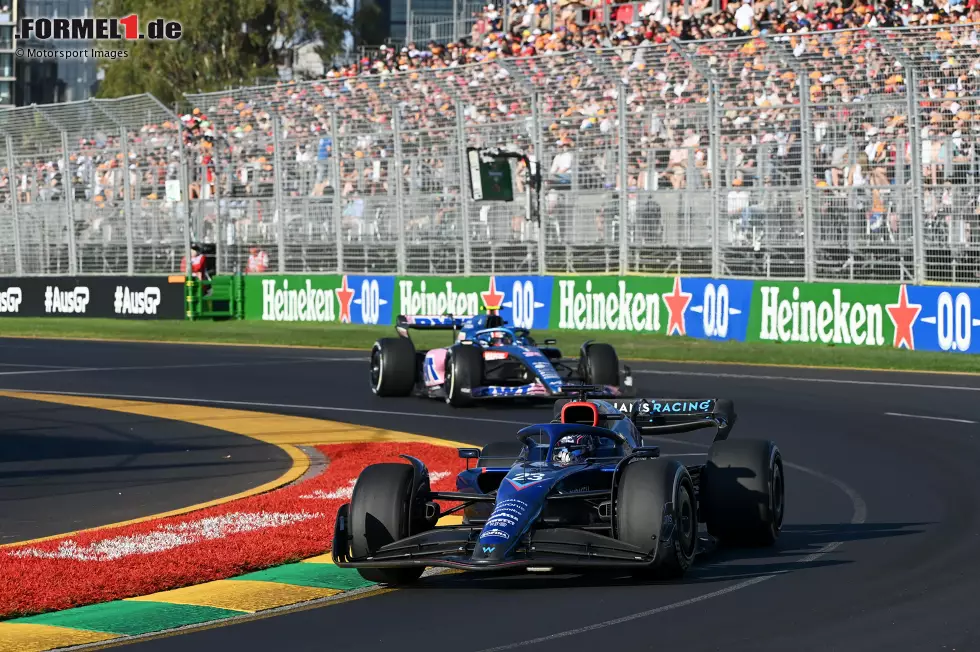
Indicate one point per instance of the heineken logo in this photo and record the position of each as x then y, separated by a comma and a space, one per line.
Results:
582, 309
320, 299
426, 300
787, 319
303, 303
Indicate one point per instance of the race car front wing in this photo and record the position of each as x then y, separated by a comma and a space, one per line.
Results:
452, 547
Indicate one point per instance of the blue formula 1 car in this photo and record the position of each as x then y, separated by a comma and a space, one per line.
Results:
488, 360
581, 491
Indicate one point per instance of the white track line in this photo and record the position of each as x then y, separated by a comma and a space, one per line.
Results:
923, 416
799, 379
37, 366
65, 370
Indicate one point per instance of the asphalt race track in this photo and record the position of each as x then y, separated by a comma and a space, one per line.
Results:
65, 468
880, 549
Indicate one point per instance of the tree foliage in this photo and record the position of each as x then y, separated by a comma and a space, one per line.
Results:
224, 44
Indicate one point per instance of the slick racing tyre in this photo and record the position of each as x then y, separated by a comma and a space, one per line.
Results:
654, 509
601, 365
380, 513
743, 492
464, 371
393, 366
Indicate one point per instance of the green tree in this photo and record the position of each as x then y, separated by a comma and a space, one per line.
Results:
369, 25
223, 44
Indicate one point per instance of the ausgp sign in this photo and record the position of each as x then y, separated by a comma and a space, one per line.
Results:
131, 302
66, 301
10, 300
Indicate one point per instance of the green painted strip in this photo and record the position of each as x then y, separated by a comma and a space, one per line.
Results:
325, 576
132, 618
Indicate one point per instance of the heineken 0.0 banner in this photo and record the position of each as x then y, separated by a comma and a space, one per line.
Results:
940, 318
346, 299
523, 301
849, 314
693, 307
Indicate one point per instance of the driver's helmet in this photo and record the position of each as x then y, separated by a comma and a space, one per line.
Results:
500, 338
574, 449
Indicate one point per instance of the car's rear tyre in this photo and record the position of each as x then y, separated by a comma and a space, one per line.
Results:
464, 371
655, 510
393, 366
601, 365
504, 454
743, 491
380, 513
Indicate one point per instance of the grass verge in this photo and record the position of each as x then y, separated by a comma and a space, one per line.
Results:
630, 346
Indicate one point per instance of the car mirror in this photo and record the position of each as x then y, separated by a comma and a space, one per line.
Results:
549, 341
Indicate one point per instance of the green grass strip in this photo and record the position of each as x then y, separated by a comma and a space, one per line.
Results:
131, 618
629, 345
324, 576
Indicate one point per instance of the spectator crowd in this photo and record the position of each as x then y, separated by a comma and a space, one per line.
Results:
846, 63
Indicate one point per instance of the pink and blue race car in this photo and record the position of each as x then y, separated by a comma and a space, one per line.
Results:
488, 360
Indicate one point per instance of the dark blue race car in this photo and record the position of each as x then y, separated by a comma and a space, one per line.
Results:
488, 360
581, 491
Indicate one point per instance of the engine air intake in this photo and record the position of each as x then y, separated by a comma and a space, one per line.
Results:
582, 413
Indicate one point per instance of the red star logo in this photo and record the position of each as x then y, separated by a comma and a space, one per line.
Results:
677, 302
903, 316
345, 296
492, 299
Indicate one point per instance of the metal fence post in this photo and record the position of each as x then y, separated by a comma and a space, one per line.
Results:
185, 203
714, 147
69, 207
399, 189
337, 205
127, 201
806, 152
455, 22
408, 22
15, 214
464, 206
623, 154
915, 131
538, 157
219, 235
278, 212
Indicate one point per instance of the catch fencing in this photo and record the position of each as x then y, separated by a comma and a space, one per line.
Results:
848, 156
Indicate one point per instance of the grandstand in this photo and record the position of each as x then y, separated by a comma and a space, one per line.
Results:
796, 140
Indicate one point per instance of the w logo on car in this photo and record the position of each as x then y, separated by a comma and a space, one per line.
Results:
488, 549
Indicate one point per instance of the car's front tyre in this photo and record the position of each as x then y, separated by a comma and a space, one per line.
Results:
381, 513
654, 509
464, 371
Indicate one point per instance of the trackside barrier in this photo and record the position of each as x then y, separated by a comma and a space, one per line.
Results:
221, 297
114, 297
926, 318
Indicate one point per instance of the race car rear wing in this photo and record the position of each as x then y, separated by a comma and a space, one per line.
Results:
404, 323
662, 416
